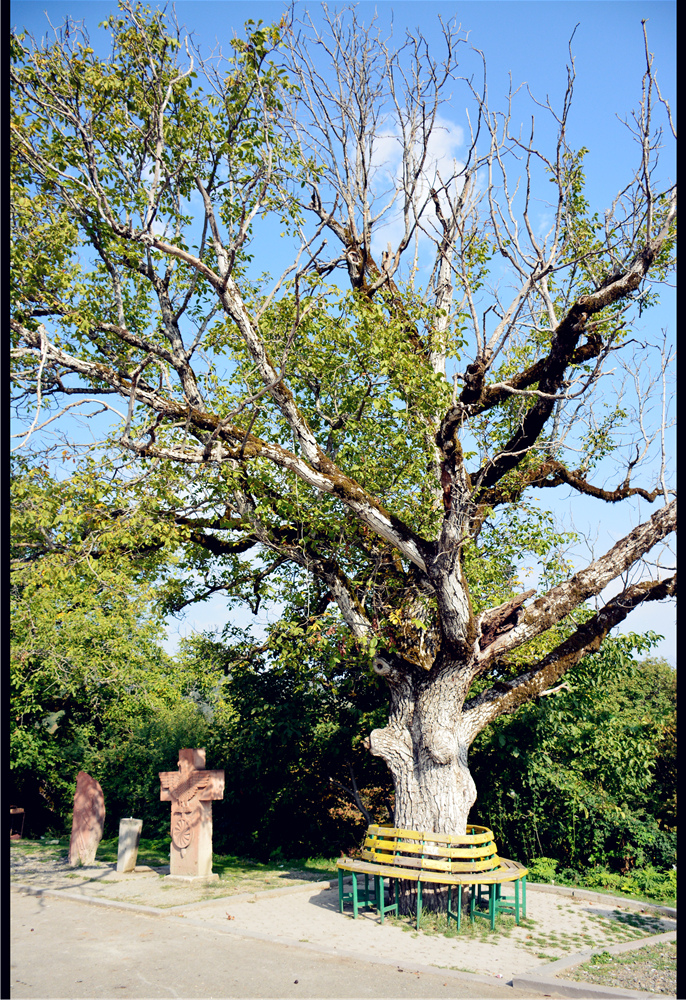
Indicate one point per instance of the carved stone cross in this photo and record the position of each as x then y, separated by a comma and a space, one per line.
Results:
191, 791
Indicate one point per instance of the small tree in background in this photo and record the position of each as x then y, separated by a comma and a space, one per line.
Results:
91, 687
289, 727
585, 773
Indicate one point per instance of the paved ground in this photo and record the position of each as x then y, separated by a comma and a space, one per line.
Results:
61, 948
558, 925
95, 933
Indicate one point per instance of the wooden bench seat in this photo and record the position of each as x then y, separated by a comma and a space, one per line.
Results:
451, 860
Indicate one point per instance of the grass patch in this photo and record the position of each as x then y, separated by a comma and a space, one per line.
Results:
653, 966
645, 923
231, 869
229, 866
47, 849
547, 946
433, 923
628, 926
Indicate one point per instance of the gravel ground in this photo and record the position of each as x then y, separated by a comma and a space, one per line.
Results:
652, 969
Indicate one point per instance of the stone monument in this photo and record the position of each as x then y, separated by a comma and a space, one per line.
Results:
191, 791
129, 839
88, 822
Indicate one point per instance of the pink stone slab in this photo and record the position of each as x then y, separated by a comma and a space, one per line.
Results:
88, 822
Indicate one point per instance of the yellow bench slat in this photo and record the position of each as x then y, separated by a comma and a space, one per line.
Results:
485, 864
510, 872
388, 871
398, 859
421, 856
432, 849
453, 839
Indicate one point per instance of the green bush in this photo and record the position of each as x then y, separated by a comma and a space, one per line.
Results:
601, 878
648, 882
128, 767
587, 776
290, 722
542, 869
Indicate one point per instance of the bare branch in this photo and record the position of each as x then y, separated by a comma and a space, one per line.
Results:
507, 696
558, 602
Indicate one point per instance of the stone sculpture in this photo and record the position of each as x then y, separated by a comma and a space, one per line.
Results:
88, 822
129, 839
191, 791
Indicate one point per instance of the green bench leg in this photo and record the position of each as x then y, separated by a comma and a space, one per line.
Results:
344, 897
365, 903
497, 903
505, 903
381, 896
364, 900
493, 900
451, 913
514, 904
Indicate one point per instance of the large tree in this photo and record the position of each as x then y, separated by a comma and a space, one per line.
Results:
344, 433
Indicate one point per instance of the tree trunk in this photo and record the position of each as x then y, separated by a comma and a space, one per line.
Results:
426, 752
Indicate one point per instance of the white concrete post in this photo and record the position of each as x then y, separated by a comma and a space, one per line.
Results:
129, 839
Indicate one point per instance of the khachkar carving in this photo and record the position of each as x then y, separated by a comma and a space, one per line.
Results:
191, 791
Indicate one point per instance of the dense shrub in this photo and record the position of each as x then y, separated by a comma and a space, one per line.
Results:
647, 882
128, 766
286, 727
585, 776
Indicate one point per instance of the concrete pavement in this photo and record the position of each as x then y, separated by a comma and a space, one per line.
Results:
61, 948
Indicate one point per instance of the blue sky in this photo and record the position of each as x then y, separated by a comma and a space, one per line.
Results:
529, 39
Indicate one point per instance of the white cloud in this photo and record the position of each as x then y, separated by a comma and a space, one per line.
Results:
441, 164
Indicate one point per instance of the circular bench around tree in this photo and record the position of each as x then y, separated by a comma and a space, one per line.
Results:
450, 860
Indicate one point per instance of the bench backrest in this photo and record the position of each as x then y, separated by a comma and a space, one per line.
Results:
434, 852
